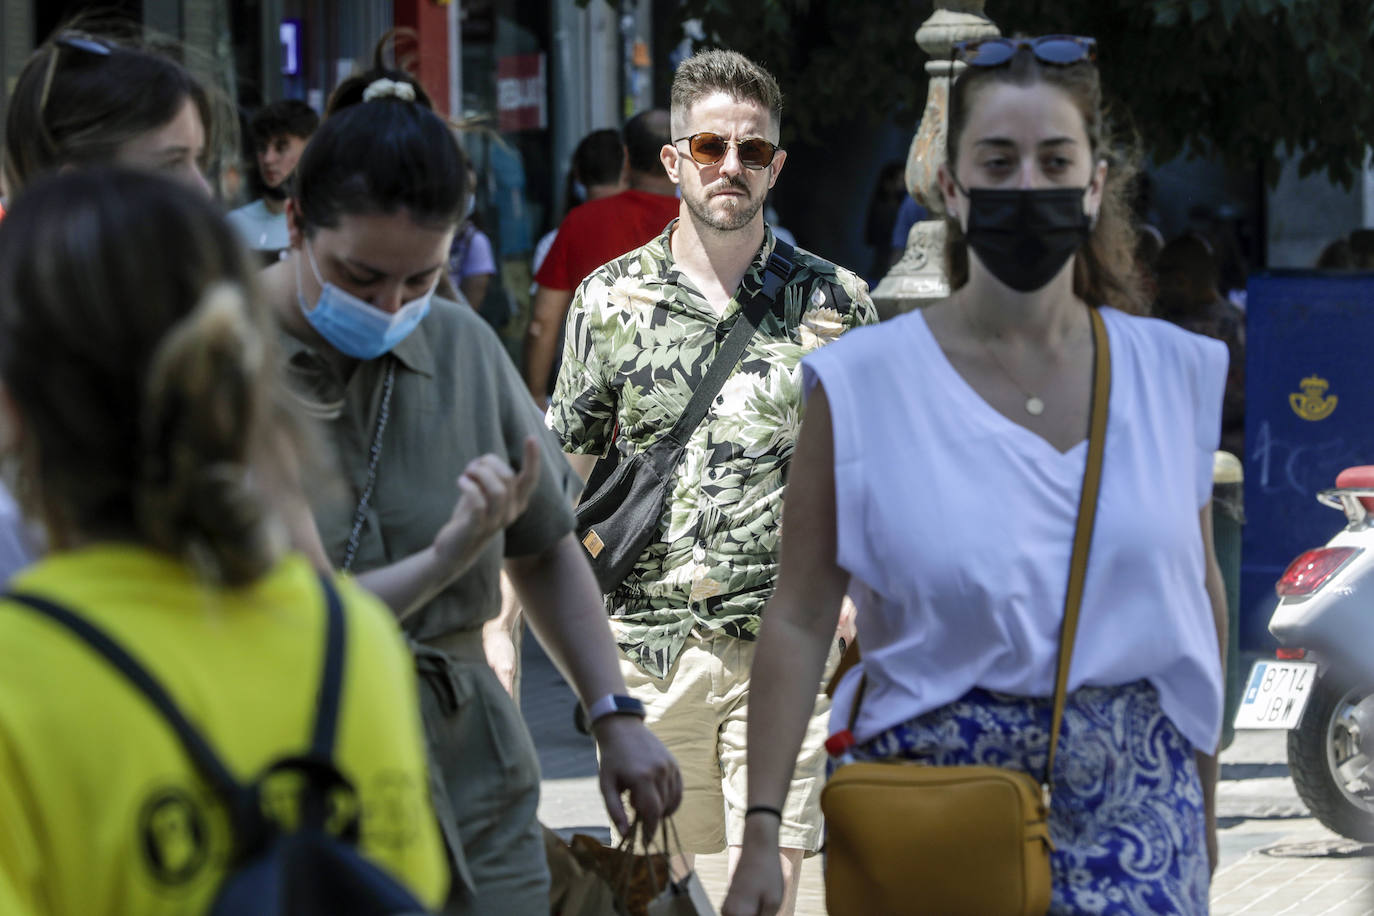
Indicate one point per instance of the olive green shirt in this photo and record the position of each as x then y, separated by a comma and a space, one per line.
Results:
640, 338
456, 396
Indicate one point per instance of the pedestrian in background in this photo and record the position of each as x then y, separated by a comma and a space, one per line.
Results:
82, 99
957, 555
155, 469
591, 235
279, 132
412, 389
1188, 296
471, 264
598, 169
888, 194
642, 332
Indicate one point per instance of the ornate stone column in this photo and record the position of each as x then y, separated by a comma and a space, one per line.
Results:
918, 279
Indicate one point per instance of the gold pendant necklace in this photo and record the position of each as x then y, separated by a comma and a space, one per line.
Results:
1034, 405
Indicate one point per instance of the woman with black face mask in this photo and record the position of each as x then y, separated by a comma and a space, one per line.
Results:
949, 508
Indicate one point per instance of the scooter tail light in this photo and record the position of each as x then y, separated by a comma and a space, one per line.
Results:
1290, 655
1313, 569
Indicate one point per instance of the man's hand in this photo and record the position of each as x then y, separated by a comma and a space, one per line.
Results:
492, 496
756, 888
634, 761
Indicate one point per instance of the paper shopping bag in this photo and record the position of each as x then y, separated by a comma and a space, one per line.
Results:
682, 898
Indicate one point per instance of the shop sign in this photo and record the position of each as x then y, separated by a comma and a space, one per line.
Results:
521, 92
290, 32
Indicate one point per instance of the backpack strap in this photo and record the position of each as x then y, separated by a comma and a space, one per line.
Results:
331, 681
240, 799
206, 760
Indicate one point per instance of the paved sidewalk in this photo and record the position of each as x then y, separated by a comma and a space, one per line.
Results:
1275, 858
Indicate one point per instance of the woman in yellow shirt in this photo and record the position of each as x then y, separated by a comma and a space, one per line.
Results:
137, 422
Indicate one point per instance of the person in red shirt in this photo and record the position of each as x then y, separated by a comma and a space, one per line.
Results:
594, 233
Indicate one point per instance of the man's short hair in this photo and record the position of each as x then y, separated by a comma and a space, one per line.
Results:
645, 136
708, 72
599, 157
289, 116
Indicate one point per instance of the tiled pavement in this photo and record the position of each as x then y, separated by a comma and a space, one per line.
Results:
1275, 859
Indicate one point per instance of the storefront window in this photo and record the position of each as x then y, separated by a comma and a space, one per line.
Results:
505, 103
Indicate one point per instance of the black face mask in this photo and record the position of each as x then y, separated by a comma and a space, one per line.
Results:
1024, 237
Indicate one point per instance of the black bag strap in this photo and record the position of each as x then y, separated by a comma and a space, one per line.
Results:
776, 272
206, 760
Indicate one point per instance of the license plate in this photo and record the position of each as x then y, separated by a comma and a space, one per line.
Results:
1276, 694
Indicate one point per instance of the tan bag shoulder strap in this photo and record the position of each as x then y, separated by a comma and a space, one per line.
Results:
1083, 535
1082, 540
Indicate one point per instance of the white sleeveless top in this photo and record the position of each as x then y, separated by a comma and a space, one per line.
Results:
956, 526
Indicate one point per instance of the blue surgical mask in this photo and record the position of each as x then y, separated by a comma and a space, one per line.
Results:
353, 326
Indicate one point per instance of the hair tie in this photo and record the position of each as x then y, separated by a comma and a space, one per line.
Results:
389, 89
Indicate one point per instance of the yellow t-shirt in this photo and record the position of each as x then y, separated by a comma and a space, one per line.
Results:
102, 812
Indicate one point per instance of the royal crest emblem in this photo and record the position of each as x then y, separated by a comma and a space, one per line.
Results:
1313, 403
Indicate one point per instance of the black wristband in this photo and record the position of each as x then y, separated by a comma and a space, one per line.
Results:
763, 809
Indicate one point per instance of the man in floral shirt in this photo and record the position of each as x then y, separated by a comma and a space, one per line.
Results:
642, 331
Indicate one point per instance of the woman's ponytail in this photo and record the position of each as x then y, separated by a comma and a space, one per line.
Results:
203, 411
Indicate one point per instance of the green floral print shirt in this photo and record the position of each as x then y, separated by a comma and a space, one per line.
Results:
640, 337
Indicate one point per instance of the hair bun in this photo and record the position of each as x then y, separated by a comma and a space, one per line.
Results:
385, 88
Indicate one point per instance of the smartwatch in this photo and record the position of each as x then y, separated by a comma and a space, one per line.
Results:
614, 704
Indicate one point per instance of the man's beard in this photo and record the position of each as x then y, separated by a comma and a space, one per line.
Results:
731, 220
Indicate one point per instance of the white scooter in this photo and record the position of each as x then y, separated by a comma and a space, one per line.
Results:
1321, 685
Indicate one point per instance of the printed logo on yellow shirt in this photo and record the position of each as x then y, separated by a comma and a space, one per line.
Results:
176, 840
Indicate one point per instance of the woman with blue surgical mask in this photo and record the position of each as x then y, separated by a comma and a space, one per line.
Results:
414, 390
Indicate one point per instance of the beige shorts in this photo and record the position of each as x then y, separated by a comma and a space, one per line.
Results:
700, 711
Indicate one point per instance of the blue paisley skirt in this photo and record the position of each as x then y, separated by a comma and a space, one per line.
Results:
1127, 815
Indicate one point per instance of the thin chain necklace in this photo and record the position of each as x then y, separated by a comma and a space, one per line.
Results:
1034, 405
360, 515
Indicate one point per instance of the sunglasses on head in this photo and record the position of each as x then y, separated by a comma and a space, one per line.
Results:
708, 149
83, 43
76, 41
1056, 50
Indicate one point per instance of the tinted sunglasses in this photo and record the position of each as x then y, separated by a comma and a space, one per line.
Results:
1056, 50
708, 149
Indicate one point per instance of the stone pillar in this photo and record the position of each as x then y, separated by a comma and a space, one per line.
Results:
918, 279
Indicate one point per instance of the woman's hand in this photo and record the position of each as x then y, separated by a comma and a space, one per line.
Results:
499, 646
757, 886
492, 496
634, 761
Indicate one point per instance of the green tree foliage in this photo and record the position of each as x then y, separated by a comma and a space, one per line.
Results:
835, 59
1246, 81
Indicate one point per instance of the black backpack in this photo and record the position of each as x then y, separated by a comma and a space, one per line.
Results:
314, 869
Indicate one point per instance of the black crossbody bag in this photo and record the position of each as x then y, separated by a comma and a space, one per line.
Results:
618, 518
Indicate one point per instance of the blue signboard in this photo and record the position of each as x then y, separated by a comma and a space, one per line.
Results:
1309, 414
